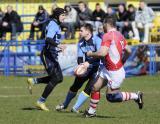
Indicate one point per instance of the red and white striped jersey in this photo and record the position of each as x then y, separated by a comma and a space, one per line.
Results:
116, 43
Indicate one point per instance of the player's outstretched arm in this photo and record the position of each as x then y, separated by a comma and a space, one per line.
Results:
102, 52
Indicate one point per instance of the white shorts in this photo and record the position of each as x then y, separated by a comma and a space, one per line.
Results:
115, 78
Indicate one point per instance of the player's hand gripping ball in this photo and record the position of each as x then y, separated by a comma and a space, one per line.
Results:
81, 69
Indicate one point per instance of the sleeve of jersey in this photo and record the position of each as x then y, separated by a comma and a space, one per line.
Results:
79, 51
106, 41
95, 61
52, 27
98, 43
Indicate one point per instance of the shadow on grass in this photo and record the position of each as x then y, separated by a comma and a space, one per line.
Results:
30, 108
98, 116
81, 115
104, 116
64, 111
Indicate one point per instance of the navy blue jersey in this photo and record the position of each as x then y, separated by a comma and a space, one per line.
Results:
93, 44
53, 31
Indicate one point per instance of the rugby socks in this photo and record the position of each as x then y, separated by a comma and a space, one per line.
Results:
129, 96
95, 97
69, 97
80, 101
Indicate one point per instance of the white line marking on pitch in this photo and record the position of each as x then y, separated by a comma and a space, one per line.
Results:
13, 96
6, 87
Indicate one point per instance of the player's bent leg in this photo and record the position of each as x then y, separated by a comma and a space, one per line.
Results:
41, 101
84, 95
78, 82
44, 80
64, 105
117, 96
137, 97
32, 81
98, 85
95, 97
114, 97
56, 77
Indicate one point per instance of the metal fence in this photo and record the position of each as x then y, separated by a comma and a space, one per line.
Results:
14, 55
22, 58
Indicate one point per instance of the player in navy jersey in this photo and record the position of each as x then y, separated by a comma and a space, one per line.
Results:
88, 42
49, 57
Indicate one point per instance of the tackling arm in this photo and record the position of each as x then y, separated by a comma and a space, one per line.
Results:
102, 52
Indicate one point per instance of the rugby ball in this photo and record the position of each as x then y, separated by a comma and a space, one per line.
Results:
80, 70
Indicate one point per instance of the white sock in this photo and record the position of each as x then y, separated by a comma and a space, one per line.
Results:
134, 96
129, 96
91, 110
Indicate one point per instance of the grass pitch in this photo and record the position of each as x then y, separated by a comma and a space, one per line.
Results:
17, 105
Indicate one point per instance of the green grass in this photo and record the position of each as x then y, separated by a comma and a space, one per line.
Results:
17, 105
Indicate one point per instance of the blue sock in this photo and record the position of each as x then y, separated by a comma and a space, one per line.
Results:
41, 99
81, 99
69, 97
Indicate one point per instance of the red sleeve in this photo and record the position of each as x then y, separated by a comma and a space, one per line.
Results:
106, 40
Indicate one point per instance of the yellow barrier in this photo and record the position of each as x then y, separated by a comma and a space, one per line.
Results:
132, 42
155, 31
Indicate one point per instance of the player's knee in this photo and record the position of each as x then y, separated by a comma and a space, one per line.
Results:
114, 97
60, 78
57, 79
95, 89
52, 85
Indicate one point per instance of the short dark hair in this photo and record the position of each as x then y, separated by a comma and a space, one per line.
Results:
40, 7
131, 6
82, 2
110, 20
97, 4
57, 12
88, 27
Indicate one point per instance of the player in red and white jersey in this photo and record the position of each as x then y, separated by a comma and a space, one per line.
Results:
114, 51
115, 43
